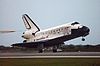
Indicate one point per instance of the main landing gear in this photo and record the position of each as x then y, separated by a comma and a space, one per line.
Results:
40, 48
54, 49
57, 48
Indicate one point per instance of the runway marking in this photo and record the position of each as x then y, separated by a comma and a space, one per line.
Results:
51, 57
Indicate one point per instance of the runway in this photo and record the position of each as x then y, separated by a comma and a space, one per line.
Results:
52, 55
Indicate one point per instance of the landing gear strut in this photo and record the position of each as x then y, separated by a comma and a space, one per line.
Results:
54, 48
40, 48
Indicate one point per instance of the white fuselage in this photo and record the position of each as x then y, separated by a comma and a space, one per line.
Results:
50, 33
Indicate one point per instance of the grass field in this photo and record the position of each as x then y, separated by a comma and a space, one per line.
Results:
51, 62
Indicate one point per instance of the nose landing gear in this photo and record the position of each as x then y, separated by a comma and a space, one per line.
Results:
83, 39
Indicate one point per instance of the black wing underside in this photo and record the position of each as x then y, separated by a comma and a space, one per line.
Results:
46, 43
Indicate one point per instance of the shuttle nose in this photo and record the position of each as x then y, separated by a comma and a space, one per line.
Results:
86, 29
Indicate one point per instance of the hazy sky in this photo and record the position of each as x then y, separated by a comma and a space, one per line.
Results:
49, 13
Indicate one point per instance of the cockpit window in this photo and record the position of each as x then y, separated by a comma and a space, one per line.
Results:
74, 23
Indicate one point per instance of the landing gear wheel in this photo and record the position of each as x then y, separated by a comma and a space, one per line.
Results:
83, 39
24, 41
40, 50
55, 49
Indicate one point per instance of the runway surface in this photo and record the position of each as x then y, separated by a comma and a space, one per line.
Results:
52, 55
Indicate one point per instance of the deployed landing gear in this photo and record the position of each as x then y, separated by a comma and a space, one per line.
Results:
54, 48
40, 48
83, 39
57, 48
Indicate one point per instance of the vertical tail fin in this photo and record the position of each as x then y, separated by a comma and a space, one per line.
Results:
29, 24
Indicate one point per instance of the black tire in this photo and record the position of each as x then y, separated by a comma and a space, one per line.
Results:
83, 39
40, 50
54, 50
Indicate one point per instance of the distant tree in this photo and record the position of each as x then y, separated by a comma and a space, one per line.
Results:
1, 46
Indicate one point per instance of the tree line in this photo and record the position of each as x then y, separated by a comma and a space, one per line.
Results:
65, 48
